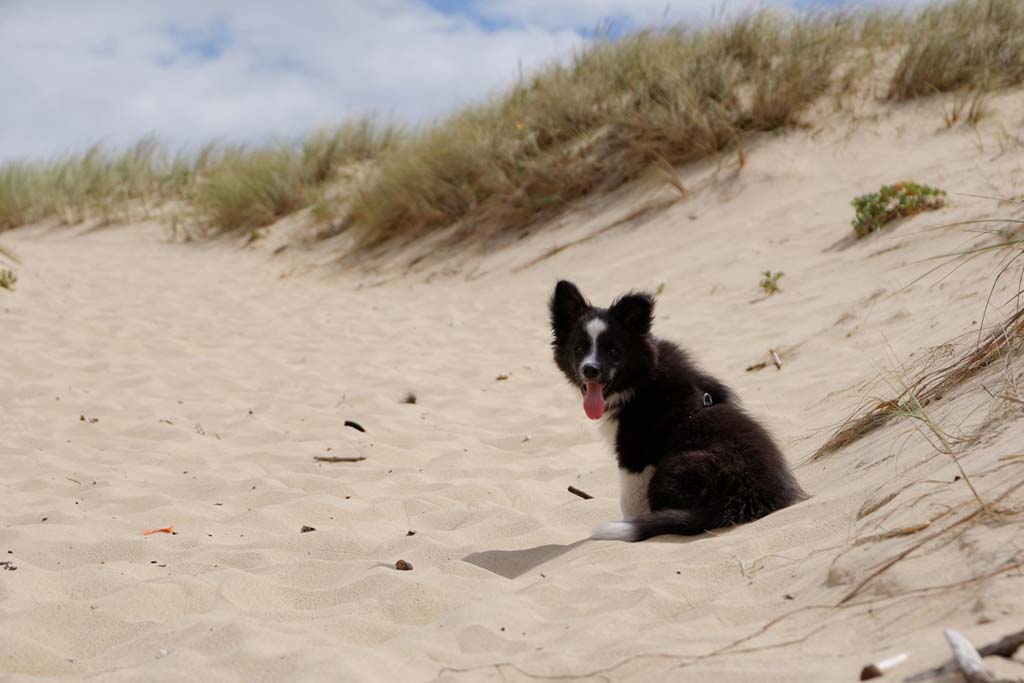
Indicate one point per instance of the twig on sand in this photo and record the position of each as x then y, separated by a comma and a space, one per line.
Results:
1006, 646
582, 494
337, 458
354, 425
776, 359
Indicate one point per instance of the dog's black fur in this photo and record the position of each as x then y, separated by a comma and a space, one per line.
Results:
714, 465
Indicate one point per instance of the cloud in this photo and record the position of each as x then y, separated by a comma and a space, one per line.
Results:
78, 73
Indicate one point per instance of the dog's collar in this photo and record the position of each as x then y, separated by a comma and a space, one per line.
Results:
706, 402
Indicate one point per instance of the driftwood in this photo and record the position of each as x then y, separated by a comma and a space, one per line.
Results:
1006, 647
967, 658
336, 458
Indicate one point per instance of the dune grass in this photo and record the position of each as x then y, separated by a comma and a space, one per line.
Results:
667, 96
228, 187
976, 44
97, 183
662, 96
251, 187
935, 375
930, 384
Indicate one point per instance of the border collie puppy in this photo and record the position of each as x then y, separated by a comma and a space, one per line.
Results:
690, 459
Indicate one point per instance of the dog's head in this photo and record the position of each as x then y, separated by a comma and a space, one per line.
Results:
603, 352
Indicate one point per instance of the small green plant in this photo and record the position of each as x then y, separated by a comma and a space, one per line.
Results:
7, 279
905, 198
770, 282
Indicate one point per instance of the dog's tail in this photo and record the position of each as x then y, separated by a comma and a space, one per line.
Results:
681, 522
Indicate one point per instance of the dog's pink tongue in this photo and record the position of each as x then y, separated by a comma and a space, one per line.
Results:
593, 402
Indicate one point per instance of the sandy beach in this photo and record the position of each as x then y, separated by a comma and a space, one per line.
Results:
150, 384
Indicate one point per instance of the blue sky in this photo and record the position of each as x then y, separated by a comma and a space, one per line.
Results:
76, 73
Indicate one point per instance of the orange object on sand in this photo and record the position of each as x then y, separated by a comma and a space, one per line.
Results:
165, 530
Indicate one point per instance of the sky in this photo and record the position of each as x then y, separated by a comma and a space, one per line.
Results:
77, 73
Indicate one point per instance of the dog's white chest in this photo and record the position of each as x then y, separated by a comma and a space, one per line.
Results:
633, 487
609, 428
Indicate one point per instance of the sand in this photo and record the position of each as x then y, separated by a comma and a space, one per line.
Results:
147, 384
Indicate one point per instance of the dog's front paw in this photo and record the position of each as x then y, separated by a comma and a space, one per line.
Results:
616, 531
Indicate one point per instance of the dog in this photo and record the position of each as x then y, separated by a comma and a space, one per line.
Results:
690, 459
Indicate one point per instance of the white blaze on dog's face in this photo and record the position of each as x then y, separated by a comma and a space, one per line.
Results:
594, 329
594, 370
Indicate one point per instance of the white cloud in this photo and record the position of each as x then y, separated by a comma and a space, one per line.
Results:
76, 73
80, 72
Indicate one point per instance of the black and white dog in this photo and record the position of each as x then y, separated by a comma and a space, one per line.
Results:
690, 459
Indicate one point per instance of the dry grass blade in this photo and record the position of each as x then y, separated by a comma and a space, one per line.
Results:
893, 533
892, 561
931, 385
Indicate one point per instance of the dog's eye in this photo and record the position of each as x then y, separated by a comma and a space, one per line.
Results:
614, 351
581, 349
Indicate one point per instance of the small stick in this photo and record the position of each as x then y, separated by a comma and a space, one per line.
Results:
335, 458
876, 669
164, 530
582, 494
354, 425
776, 359
1006, 646
967, 658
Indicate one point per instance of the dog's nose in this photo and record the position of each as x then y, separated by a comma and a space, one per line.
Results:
591, 371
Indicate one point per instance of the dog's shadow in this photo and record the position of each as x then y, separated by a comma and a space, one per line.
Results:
514, 563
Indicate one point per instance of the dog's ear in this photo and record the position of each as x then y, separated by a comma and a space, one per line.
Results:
635, 311
567, 305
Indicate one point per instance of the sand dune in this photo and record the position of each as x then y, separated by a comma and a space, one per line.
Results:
148, 384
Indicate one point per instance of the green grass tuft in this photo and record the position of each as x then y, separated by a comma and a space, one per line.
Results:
770, 282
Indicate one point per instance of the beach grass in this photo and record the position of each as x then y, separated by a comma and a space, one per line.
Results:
670, 95
972, 44
228, 187
659, 97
